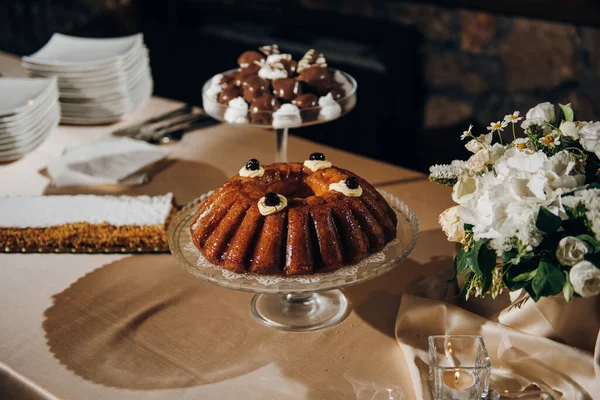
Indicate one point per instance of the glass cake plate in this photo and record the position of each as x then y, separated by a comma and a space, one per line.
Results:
295, 303
309, 116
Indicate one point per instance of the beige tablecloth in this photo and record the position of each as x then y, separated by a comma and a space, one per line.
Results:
139, 327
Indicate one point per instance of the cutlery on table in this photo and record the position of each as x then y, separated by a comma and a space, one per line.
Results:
133, 130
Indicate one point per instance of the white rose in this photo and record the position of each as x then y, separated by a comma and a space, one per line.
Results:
479, 160
589, 136
570, 251
452, 225
464, 190
474, 145
539, 115
585, 278
570, 129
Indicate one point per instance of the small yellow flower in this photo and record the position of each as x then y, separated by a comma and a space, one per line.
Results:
497, 126
466, 133
551, 140
513, 118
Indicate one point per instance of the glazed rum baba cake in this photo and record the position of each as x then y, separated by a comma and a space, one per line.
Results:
292, 218
85, 223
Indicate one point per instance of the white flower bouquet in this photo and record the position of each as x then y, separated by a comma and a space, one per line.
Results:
528, 212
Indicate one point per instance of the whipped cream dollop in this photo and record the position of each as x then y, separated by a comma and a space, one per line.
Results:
345, 190
237, 111
269, 72
249, 173
268, 210
287, 116
315, 165
330, 109
342, 80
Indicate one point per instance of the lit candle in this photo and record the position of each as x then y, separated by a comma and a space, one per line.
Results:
458, 384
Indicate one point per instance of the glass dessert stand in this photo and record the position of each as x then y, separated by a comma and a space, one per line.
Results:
281, 122
295, 303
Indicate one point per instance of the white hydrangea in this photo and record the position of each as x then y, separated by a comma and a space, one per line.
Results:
503, 203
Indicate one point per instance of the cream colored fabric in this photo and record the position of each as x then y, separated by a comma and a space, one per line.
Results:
76, 326
549, 343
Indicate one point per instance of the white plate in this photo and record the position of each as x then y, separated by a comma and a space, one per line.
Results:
105, 71
36, 139
34, 112
20, 131
110, 107
103, 120
19, 94
79, 53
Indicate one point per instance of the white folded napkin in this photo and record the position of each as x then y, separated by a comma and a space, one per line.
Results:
108, 160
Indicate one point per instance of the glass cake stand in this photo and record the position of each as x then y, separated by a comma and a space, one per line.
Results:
296, 303
309, 116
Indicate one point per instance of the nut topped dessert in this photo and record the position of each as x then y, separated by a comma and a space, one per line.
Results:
271, 88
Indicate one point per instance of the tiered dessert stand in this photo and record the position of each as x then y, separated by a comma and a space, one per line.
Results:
297, 303
309, 116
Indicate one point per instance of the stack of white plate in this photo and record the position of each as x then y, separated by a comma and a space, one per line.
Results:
100, 80
29, 112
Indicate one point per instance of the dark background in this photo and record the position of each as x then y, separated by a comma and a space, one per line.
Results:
425, 70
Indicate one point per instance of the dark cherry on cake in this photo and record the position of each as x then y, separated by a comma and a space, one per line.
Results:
286, 89
261, 109
272, 200
229, 94
253, 165
317, 157
319, 230
351, 183
317, 79
254, 86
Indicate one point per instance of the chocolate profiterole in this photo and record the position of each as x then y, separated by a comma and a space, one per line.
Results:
254, 86
317, 79
228, 81
305, 101
337, 91
286, 89
261, 109
247, 60
228, 94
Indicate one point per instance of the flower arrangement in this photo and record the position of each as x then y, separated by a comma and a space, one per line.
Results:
528, 212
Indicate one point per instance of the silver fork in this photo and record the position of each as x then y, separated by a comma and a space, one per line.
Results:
133, 130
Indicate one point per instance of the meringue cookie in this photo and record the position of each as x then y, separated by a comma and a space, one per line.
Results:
287, 116
330, 109
237, 111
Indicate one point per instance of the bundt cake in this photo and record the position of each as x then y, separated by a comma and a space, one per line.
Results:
292, 218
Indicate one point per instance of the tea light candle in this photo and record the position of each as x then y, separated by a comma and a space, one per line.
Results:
457, 384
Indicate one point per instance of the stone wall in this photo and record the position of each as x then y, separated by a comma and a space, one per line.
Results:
479, 66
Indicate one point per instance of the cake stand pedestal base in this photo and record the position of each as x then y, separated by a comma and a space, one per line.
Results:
300, 312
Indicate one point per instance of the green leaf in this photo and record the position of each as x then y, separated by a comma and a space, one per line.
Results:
468, 227
463, 292
591, 242
525, 276
549, 279
547, 222
482, 259
567, 111
460, 264
508, 256
567, 288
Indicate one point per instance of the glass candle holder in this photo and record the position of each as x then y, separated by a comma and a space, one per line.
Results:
459, 367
